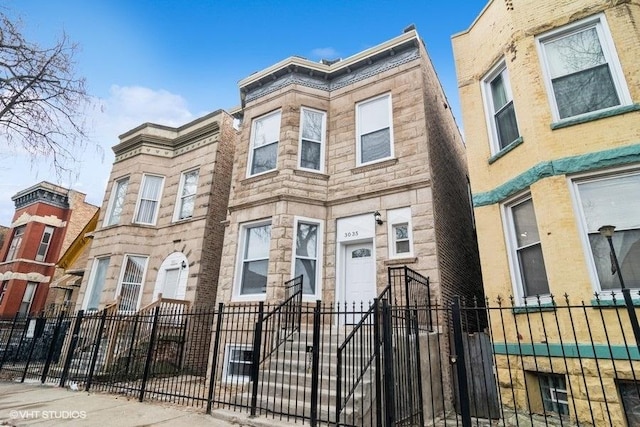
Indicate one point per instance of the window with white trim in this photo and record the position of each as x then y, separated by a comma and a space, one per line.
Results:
611, 200
265, 135
307, 253
27, 298
501, 113
238, 360
3, 290
132, 278
16, 241
149, 199
186, 195
255, 241
116, 201
553, 388
96, 283
312, 136
581, 68
526, 250
374, 130
400, 233
45, 241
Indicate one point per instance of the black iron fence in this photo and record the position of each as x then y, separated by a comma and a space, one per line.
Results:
547, 362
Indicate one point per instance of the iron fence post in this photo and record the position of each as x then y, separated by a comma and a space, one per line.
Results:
214, 361
52, 347
96, 350
315, 362
6, 346
149, 360
255, 364
34, 339
418, 367
72, 347
378, 362
338, 386
459, 360
389, 380
133, 342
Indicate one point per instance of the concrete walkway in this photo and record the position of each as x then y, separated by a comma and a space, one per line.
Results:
35, 404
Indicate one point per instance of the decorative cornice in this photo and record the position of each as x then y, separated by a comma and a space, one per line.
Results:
563, 166
43, 192
330, 80
165, 141
331, 75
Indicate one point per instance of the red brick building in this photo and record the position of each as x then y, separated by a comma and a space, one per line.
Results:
47, 219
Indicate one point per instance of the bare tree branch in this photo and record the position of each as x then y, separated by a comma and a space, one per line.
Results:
42, 102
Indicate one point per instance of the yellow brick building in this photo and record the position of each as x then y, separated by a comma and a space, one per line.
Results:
550, 94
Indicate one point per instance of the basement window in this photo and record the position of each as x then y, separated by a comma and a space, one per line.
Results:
237, 363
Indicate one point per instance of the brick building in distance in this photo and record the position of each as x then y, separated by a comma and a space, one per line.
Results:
47, 219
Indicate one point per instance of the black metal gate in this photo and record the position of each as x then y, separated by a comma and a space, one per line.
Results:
401, 362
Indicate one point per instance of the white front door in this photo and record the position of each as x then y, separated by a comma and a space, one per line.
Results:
359, 278
170, 286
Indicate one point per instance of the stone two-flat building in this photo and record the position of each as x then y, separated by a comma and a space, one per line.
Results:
160, 232
550, 94
343, 169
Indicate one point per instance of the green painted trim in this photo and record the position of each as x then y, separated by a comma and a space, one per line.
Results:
534, 308
562, 166
516, 142
585, 351
597, 115
605, 303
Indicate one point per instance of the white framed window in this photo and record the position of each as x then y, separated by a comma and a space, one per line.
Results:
96, 283
238, 359
3, 290
312, 136
149, 199
581, 68
525, 251
400, 233
612, 199
131, 281
374, 130
45, 241
27, 298
307, 254
16, 241
253, 265
553, 388
265, 135
186, 200
501, 113
116, 201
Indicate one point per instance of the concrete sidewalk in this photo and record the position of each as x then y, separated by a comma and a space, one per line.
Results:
45, 405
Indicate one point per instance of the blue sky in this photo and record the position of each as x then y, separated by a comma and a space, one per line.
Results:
170, 62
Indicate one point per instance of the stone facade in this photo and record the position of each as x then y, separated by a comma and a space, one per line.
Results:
179, 249
557, 162
422, 179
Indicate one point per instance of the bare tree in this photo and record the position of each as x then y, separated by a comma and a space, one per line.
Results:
42, 102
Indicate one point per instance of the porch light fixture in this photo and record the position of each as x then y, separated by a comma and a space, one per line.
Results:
377, 217
607, 232
184, 264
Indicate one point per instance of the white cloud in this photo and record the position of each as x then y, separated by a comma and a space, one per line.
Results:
125, 108
325, 53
